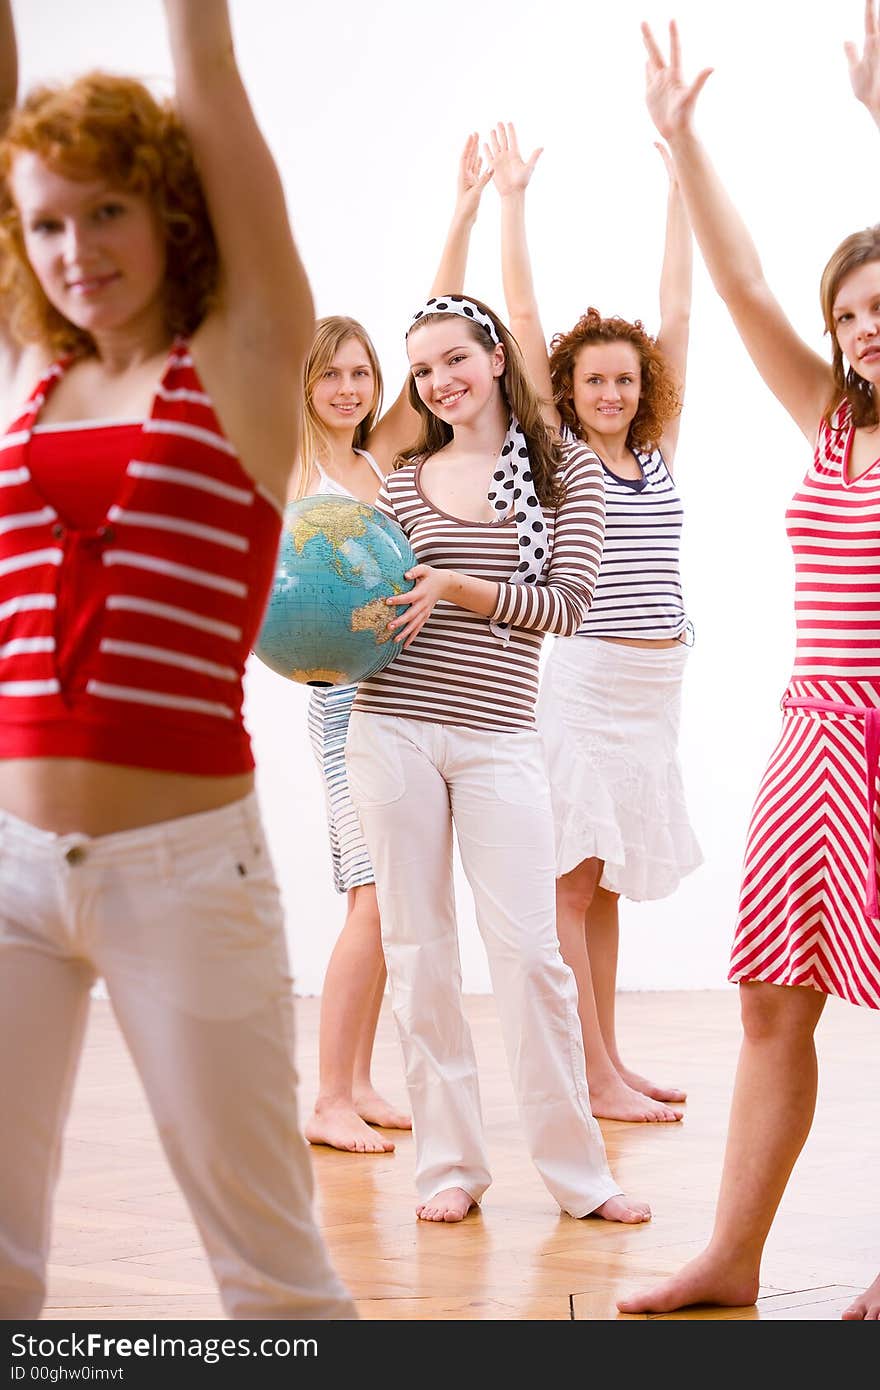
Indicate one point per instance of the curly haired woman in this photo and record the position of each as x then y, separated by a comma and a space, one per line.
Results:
610, 697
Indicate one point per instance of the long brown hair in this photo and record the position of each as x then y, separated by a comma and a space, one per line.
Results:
659, 397
854, 251
330, 334
546, 454
112, 128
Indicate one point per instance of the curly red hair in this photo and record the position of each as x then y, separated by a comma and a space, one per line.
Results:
660, 397
103, 126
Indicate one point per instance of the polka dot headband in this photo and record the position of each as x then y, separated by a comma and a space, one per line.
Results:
512, 486
456, 304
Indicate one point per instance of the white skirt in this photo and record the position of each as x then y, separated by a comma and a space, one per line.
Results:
609, 716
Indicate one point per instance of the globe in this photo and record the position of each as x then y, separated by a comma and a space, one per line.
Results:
326, 621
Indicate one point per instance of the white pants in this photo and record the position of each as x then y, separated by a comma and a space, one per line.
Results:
411, 780
184, 923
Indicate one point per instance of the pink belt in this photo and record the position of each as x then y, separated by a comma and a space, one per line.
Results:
871, 716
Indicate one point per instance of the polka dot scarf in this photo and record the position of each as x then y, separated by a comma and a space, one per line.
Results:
512, 484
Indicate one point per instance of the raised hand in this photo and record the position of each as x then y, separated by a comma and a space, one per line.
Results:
864, 70
512, 172
669, 99
471, 178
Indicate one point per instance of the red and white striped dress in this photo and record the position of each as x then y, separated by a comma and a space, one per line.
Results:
808, 907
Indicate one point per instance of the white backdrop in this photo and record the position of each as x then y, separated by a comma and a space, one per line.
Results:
366, 108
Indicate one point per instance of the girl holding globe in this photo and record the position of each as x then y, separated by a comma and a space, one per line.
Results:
150, 277
508, 525
608, 712
350, 446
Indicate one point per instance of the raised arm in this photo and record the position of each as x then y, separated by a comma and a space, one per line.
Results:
399, 425
264, 293
799, 378
512, 175
676, 292
864, 67
472, 179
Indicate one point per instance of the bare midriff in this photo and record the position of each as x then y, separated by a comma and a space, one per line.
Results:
66, 795
644, 641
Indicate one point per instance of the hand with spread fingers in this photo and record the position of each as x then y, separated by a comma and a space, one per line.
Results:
512, 172
669, 98
864, 69
472, 178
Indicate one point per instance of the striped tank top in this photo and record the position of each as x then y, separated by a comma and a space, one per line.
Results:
326, 484
125, 642
833, 526
638, 592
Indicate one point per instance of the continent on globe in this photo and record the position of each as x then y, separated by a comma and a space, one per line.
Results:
326, 621
324, 523
374, 617
318, 677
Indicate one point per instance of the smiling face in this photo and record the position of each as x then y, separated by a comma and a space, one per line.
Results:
455, 376
98, 254
606, 387
346, 391
856, 318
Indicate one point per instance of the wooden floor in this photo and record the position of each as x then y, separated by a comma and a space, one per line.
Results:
124, 1245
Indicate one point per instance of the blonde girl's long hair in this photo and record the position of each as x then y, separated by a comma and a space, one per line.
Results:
330, 334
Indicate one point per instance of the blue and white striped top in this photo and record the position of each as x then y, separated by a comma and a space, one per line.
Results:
638, 591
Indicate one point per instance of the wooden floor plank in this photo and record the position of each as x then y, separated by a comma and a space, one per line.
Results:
124, 1246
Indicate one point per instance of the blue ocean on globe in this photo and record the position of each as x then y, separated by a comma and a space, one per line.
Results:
326, 621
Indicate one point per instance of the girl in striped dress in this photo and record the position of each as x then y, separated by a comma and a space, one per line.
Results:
809, 922
507, 523
351, 445
610, 697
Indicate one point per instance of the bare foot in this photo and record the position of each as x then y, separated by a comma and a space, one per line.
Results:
668, 1094
618, 1101
341, 1127
703, 1280
452, 1204
866, 1307
625, 1209
376, 1110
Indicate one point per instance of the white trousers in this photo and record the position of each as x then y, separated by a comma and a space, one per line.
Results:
411, 781
183, 921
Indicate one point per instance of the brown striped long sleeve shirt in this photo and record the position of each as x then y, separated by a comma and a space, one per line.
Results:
457, 671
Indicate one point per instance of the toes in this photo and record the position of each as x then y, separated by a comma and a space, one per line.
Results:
632, 1215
